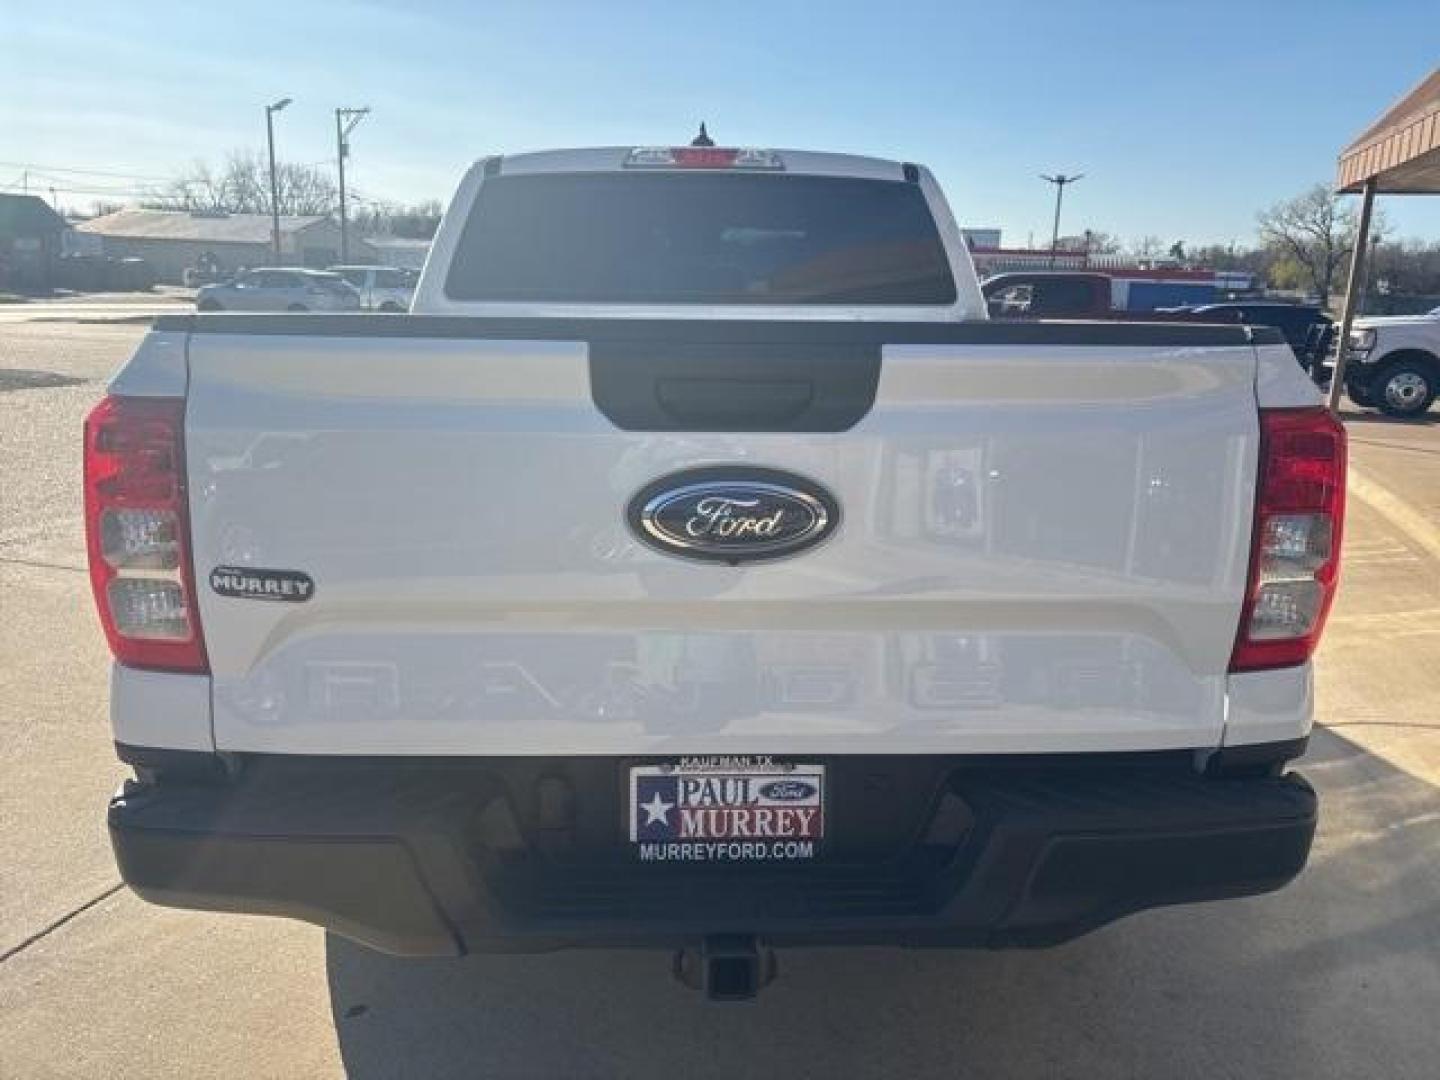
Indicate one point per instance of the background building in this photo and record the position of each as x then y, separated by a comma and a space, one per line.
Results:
30, 240
399, 251
980, 237
172, 240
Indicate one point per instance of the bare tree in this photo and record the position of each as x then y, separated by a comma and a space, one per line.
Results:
1405, 268
417, 222
1315, 233
1092, 240
242, 186
198, 188
1146, 247
1231, 256
306, 190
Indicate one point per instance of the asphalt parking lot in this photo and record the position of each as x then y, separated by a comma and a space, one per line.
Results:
1336, 976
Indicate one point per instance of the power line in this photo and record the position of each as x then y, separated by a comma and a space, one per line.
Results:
159, 200
128, 193
34, 167
108, 189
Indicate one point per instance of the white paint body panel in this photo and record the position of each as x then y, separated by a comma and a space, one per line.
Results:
1270, 706
160, 709
1280, 383
1043, 549
158, 368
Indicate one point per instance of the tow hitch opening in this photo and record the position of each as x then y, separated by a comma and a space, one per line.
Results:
726, 967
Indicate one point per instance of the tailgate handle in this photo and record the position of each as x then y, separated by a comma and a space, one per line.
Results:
711, 376
746, 403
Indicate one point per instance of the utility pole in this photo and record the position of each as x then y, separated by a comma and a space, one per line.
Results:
270, 111
1369, 275
1059, 180
345, 121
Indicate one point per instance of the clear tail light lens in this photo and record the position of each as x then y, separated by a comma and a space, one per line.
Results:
137, 531
140, 539
1295, 556
148, 609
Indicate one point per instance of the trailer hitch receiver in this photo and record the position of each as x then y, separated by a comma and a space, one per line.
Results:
726, 967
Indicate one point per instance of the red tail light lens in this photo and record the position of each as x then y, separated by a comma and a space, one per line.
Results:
1295, 548
704, 157
701, 157
137, 531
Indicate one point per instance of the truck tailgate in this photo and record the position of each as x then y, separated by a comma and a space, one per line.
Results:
1043, 545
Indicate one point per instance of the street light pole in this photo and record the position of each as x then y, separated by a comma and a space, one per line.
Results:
270, 111
1059, 180
345, 121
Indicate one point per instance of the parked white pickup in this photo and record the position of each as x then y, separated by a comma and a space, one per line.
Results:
1395, 363
381, 288
428, 629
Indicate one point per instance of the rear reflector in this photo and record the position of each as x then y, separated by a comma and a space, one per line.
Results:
1295, 546
137, 531
701, 157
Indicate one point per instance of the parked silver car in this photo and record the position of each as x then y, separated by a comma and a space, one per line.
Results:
280, 289
382, 288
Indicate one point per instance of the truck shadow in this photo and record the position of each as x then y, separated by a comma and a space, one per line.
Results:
1338, 975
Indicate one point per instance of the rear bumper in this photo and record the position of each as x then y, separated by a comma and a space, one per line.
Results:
441, 858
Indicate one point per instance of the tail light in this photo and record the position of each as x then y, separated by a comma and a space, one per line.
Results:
1295, 548
137, 530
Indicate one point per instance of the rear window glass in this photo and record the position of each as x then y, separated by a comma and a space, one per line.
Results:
1059, 297
700, 238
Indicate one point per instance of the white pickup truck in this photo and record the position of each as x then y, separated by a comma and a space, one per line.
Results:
697, 566
1395, 363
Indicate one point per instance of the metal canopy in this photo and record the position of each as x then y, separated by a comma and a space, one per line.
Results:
1401, 150
1399, 154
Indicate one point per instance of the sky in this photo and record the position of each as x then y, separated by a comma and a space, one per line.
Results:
1186, 118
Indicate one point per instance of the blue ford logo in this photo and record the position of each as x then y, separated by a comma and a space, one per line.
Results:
733, 514
787, 790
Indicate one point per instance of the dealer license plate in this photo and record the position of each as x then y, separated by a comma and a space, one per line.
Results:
743, 808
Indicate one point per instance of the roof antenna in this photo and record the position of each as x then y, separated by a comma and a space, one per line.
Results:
703, 139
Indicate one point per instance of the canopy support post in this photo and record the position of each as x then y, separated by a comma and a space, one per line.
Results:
1352, 299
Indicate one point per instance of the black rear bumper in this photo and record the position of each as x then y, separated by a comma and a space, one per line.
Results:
440, 858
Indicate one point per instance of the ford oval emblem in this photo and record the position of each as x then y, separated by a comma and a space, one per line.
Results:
787, 790
733, 514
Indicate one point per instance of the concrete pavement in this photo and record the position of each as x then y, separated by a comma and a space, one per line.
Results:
1336, 976
138, 308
